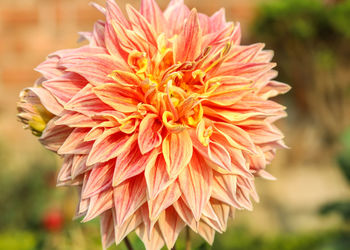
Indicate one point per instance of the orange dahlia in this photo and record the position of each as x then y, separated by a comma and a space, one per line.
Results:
163, 121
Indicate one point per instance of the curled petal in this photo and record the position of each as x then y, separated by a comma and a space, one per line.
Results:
149, 133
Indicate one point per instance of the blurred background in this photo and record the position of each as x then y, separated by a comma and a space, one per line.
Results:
308, 207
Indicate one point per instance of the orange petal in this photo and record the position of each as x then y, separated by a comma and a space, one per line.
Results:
165, 199
175, 13
142, 26
185, 213
65, 172
157, 177
107, 229
113, 12
128, 197
54, 135
224, 189
99, 203
49, 68
99, 179
187, 46
79, 165
149, 133
151, 11
131, 163
155, 242
195, 183
48, 100
74, 119
127, 227
206, 231
119, 98
177, 151
109, 145
222, 212
93, 67
170, 224
75, 143
87, 103
236, 136
65, 87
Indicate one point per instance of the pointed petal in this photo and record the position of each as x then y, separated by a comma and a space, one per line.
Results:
170, 224
224, 189
127, 227
54, 135
156, 242
175, 13
244, 199
157, 177
118, 98
215, 154
95, 68
195, 183
128, 197
147, 222
219, 155
65, 172
49, 68
65, 87
82, 207
266, 175
188, 44
75, 143
185, 213
207, 232
177, 151
131, 163
74, 119
236, 136
47, 100
87, 103
273, 88
165, 199
109, 145
99, 203
79, 165
222, 211
98, 38
113, 12
99, 179
142, 26
107, 229
151, 11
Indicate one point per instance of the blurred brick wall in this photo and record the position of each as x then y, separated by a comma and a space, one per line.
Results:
30, 29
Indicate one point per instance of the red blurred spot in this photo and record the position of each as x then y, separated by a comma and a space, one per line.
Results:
53, 220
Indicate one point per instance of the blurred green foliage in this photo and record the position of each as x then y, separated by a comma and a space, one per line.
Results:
242, 239
307, 20
344, 156
311, 43
18, 240
341, 207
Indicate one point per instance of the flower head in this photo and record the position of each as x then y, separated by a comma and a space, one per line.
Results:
163, 121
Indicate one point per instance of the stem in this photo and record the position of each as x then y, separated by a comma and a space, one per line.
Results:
188, 239
128, 244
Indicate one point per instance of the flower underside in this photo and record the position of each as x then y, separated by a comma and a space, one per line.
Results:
163, 121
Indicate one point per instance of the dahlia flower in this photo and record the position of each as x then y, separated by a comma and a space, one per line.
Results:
163, 121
